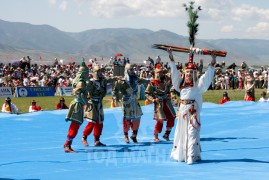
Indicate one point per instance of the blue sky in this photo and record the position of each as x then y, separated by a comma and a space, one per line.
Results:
218, 19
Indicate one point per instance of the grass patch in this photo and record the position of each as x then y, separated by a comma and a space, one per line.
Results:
49, 102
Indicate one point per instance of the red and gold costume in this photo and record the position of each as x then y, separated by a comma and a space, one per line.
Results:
158, 92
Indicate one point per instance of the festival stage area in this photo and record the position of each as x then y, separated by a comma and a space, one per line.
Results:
234, 138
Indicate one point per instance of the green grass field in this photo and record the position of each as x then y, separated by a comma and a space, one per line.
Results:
49, 103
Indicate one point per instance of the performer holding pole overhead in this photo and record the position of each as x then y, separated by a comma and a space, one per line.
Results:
186, 145
187, 134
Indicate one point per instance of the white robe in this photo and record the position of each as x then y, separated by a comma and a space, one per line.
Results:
187, 133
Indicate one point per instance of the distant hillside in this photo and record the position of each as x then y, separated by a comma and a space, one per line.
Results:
33, 37
22, 39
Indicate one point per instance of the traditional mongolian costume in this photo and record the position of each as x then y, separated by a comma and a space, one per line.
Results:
158, 92
128, 87
186, 145
94, 114
76, 107
187, 134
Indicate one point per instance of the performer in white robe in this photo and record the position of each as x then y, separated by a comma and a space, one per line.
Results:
187, 133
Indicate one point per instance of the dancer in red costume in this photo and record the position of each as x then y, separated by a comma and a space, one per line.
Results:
158, 92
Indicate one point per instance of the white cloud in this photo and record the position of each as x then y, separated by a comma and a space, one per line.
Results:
214, 14
250, 12
226, 29
212, 9
215, 4
261, 31
52, 2
220, 15
63, 5
215, 10
80, 13
260, 28
236, 18
149, 8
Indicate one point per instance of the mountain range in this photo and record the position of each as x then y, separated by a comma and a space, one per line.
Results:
44, 43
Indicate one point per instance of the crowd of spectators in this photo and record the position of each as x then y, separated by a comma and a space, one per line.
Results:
25, 73
233, 77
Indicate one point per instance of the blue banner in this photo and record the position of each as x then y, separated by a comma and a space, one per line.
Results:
34, 91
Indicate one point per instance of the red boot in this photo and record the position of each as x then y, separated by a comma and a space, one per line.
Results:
67, 147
